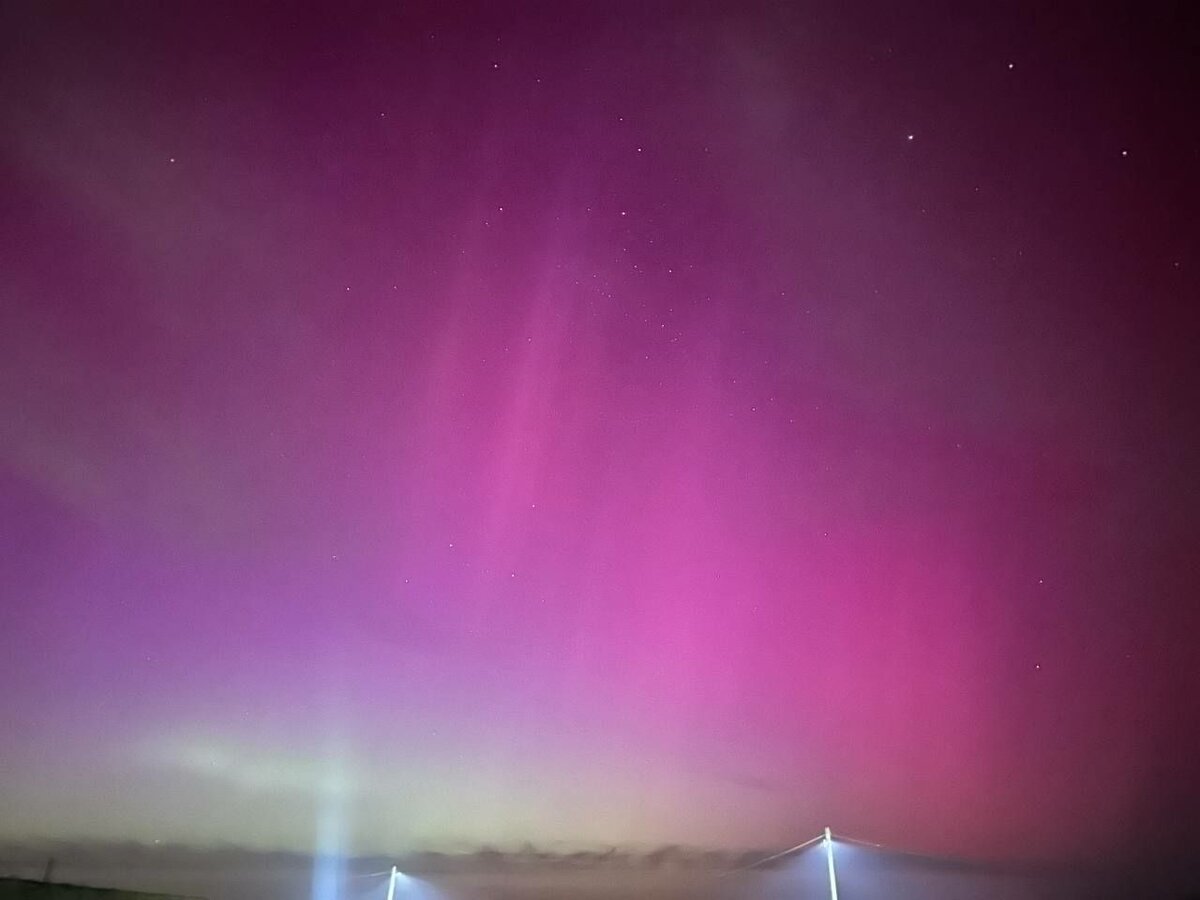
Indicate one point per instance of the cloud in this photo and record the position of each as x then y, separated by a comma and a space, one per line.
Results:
253, 766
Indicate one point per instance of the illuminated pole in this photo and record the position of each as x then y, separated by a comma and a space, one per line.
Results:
392, 885
828, 861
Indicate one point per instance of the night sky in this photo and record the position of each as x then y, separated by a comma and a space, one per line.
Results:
432, 427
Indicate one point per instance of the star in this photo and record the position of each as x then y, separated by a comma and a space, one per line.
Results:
912, 137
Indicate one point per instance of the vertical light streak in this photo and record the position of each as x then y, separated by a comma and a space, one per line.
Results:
833, 894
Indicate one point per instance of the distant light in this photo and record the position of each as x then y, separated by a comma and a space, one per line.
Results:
409, 886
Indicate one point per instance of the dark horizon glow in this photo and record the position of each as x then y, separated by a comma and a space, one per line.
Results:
431, 429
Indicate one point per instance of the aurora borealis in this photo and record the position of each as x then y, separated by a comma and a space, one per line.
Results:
632, 426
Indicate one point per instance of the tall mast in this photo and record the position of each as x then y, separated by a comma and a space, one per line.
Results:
828, 862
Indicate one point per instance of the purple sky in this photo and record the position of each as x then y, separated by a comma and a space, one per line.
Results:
627, 426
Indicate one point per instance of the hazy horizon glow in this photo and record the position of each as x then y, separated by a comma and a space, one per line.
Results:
593, 428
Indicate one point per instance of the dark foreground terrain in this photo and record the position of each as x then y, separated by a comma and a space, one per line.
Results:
244, 875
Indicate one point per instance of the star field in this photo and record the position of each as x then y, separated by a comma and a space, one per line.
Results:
574, 425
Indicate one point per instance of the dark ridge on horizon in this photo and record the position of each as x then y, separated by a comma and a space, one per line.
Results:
486, 858
479, 858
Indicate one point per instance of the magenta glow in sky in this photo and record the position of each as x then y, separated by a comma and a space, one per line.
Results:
594, 428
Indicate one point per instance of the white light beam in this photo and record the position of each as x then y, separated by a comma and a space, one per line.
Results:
829, 862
